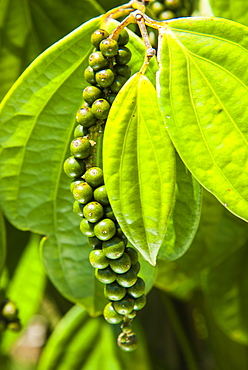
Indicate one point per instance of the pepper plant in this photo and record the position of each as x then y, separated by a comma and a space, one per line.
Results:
144, 108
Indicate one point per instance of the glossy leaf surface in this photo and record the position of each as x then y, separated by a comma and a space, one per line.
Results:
26, 288
203, 97
185, 217
37, 121
140, 169
237, 10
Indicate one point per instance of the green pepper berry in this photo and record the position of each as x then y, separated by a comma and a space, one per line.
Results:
80, 147
122, 264
127, 279
127, 341
166, 15
97, 36
109, 48
78, 208
100, 108
93, 211
98, 259
14, 326
111, 98
89, 75
85, 117
101, 196
136, 267
123, 38
131, 315
105, 229
76, 182
94, 176
124, 55
157, 7
9, 311
97, 61
73, 167
105, 77
94, 242
79, 131
110, 315
122, 70
124, 306
173, 4
106, 276
138, 289
83, 192
118, 83
132, 254
114, 292
113, 248
139, 303
109, 213
87, 228
91, 93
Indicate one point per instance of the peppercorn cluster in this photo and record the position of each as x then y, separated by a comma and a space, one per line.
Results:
9, 316
116, 263
169, 9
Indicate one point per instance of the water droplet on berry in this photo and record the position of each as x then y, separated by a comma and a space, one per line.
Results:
168, 117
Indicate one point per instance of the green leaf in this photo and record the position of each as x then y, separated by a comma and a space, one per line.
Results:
2, 243
66, 259
203, 98
58, 341
139, 166
80, 343
37, 121
231, 9
185, 217
26, 288
226, 287
27, 28
219, 235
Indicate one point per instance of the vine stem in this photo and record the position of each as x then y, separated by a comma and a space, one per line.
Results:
179, 332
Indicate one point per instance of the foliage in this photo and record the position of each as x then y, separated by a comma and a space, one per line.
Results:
174, 133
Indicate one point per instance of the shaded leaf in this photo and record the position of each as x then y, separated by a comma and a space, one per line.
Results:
228, 299
203, 97
23, 35
82, 343
231, 9
26, 288
2, 243
185, 217
220, 234
139, 166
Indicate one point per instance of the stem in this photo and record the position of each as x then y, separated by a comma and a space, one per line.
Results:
179, 332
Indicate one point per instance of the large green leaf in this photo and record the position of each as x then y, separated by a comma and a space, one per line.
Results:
139, 166
26, 288
2, 243
237, 10
220, 234
203, 97
37, 121
185, 217
226, 287
28, 27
